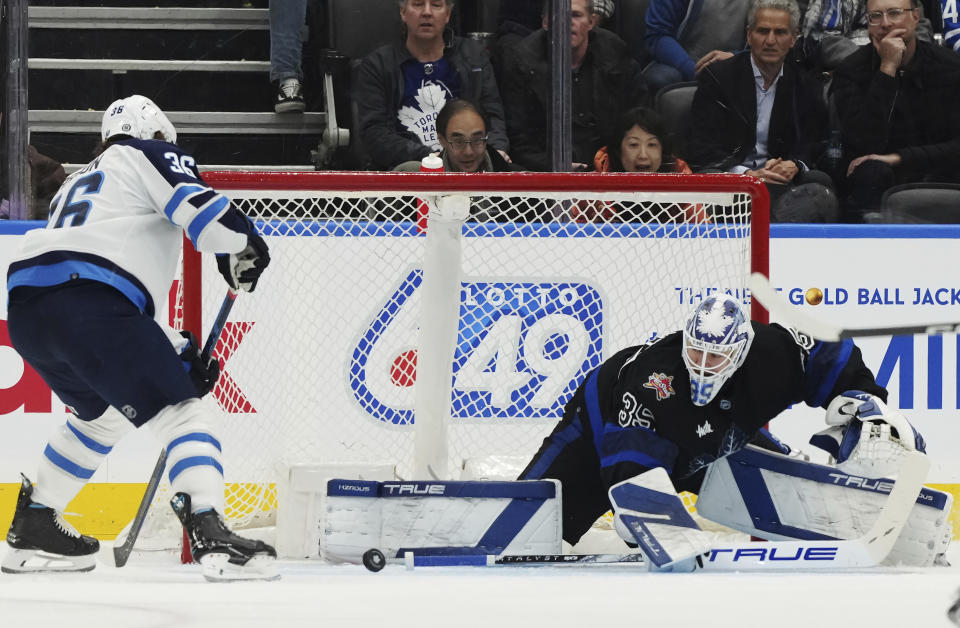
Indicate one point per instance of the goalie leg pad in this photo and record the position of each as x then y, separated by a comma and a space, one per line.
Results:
648, 512
778, 498
441, 518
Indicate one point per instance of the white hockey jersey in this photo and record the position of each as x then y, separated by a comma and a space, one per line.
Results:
119, 221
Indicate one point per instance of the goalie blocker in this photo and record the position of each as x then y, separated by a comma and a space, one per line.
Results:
440, 518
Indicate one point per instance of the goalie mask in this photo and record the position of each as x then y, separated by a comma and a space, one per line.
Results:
716, 340
138, 117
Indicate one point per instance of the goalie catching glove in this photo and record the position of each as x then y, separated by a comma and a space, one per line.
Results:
242, 270
866, 437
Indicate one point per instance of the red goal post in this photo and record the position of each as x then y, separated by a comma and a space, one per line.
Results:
557, 272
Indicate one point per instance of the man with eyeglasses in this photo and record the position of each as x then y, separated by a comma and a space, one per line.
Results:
896, 98
835, 29
462, 131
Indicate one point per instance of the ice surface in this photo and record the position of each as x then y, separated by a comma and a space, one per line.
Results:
154, 590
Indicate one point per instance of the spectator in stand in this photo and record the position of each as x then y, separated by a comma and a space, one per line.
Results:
640, 145
757, 113
834, 29
950, 14
515, 20
462, 131
897, 101
287, 19
685, 36
606, 82
401, 87
46, 177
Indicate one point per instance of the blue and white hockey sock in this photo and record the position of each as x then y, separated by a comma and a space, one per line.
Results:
73, 454
194, 459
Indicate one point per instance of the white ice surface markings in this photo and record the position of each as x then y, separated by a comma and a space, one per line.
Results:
155, 591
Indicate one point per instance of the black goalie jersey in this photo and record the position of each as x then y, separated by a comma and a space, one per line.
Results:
634, 413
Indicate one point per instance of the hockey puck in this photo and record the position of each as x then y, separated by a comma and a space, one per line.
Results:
374, 560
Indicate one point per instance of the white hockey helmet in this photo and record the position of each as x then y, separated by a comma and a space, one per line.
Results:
136, 116
716, 340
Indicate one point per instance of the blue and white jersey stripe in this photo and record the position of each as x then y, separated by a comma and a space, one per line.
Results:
119, 220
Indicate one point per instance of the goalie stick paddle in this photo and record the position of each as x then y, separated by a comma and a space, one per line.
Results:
121, 552
794, 317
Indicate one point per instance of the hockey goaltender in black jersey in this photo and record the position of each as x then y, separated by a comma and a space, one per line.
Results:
643, 409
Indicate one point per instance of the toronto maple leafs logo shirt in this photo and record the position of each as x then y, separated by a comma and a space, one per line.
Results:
427, 88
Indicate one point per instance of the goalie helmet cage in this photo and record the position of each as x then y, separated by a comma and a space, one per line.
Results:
559, 271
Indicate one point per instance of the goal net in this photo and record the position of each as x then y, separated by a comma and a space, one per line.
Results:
545, 276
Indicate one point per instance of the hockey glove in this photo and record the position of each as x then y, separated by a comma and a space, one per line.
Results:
242, 270
647, 511
203, 376
866, 437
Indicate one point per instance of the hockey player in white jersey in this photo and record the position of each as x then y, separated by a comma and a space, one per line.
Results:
85, 297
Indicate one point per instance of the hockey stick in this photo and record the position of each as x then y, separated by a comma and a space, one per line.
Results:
867, 551
794, 317
412, 559
214, 336
121, 552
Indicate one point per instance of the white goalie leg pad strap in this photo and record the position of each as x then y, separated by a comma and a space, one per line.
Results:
441, 518
778, 498
648, 512
73, 454
189, 431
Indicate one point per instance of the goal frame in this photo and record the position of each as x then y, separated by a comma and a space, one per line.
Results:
426, 185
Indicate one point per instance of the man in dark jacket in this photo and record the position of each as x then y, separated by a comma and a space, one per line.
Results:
401, 87
897, 101
758, 114
606, 82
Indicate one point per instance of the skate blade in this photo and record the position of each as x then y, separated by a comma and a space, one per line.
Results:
218, 568
38, 561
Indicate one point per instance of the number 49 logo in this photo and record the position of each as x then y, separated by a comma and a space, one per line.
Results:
522, 349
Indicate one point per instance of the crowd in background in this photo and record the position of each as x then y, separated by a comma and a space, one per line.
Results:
829, 103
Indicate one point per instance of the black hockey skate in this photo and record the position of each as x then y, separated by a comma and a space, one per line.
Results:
40, 539
223, 555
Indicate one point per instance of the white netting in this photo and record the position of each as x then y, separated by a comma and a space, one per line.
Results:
319, 363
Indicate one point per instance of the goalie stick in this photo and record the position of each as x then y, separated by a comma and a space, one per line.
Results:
766, 294
121, 552
867, 551
412, 559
